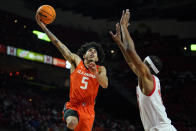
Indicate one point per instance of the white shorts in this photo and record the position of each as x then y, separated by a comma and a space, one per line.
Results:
163, 127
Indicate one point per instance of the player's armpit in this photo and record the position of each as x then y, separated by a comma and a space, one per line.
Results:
102, 77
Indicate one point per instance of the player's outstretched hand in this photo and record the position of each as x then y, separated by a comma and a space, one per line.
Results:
116, 37
125, 18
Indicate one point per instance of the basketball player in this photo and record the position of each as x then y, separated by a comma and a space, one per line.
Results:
152, 110
85, 79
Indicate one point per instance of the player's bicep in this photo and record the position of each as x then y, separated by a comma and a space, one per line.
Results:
76, 59
67, 54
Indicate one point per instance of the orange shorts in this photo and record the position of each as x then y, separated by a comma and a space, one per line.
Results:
85, 122
86, 116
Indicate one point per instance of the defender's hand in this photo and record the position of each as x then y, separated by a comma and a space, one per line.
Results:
125, 18
116, 37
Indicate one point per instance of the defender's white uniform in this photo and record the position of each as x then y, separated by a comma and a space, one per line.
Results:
152, 110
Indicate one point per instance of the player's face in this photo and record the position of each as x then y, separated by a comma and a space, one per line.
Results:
91, 55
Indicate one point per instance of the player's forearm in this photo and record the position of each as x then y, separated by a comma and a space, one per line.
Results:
134, 60
130, 47
51, 36
123, 50
102, 79
128, 41
61, 47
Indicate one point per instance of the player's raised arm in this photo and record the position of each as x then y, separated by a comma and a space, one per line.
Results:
141, 68
122, 45
68, 55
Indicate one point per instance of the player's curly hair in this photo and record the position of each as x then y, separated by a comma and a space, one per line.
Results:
95, 45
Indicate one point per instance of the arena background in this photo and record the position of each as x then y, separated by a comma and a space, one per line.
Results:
34, 78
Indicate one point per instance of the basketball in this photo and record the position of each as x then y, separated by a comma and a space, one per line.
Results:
46, 13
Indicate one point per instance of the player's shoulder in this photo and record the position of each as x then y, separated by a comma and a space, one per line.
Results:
156, 77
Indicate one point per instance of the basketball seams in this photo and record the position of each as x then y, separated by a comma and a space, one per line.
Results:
50, 10
46, 12
53, 12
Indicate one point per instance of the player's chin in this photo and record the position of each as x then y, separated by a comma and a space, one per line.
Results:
91, 59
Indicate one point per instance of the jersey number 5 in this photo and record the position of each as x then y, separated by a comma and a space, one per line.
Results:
84, 81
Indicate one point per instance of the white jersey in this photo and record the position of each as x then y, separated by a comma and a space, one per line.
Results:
152, 110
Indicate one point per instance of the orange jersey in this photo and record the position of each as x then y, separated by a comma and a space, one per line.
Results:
83, 88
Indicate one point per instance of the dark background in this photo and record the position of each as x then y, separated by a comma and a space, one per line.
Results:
33, 98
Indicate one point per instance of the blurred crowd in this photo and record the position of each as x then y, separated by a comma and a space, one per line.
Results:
24, 109
29, 108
